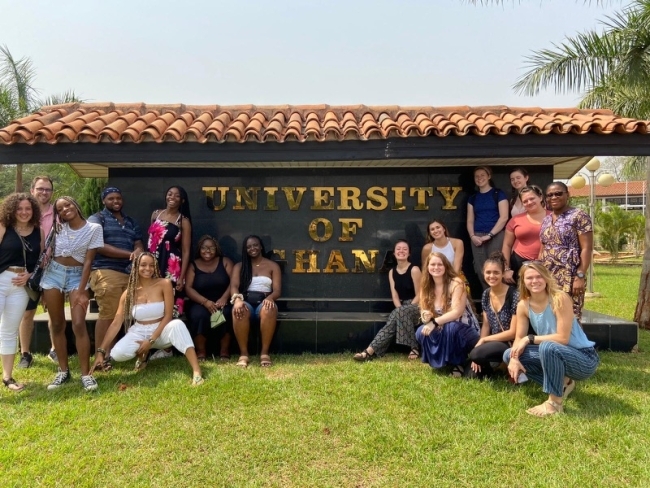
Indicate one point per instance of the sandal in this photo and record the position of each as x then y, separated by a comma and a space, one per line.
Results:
414, 354
543, 409
568, 388
106, 365
13, 386
364, 356
201, 359
457, 371
140, 364
243, 362
265, 361
197, 381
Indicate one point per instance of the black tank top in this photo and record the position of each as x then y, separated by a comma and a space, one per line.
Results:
11, 249
404, 284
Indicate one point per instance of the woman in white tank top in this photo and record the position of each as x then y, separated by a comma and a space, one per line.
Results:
438, 240
146, 310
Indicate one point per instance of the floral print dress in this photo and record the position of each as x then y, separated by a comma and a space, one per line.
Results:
165, 243
561, 250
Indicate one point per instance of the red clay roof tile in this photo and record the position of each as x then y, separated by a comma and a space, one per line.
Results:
139, 122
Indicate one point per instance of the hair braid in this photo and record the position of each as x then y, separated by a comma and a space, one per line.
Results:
131, 289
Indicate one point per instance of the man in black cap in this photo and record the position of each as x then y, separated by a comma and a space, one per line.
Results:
112, 264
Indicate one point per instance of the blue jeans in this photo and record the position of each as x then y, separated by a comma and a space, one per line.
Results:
62, 278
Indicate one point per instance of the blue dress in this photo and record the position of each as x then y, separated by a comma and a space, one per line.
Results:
451, 343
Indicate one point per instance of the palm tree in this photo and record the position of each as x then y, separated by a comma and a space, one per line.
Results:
19, 97
612, 69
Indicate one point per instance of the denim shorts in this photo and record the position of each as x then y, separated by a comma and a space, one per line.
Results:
62, 278
255, 312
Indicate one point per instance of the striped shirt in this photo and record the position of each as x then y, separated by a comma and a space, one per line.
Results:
75, 243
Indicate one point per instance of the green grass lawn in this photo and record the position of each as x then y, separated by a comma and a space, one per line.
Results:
618, 287
327, 421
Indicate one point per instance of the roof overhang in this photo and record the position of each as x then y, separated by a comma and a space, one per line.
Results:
96, 137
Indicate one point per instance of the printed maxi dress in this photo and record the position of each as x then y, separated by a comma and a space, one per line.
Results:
561, 250
165, 243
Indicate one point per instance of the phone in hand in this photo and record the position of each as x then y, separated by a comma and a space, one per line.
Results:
522, 378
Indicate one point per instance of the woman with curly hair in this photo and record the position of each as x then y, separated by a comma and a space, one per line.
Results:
75, 244
170, 240
450, 329
556, 352
146, 310
256, 284
20, 245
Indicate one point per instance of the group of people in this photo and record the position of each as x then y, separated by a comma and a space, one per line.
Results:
136, 285
531, 252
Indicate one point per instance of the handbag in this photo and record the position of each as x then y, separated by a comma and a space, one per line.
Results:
217, 318
34, 295
34, 281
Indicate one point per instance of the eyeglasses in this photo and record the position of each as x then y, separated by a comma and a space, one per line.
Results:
555, 194
44, 190
208, 248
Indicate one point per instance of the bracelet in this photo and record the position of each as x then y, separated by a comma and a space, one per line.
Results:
204, 302
491, 235
152, 340
435, 323
102, 351
472, 236
235, 297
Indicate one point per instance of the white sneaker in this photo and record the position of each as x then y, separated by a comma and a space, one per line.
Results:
161, 354
89, 383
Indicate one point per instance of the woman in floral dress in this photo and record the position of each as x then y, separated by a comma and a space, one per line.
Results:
170, 238
567, 244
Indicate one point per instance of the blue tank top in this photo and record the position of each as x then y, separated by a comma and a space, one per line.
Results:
546, 323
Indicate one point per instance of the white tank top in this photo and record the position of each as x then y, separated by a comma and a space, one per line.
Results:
447, 251
263, 284
148, 311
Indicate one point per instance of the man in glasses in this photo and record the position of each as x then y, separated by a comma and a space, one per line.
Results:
41, 189
112, 264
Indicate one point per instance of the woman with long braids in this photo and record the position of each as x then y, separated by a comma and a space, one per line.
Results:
170, 238
20, 245
75, 244
260, 281
146, 310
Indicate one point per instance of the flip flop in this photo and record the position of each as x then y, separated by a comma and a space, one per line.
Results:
243, 362
265, 361
414, 354
364, 356
198, 381
13, 386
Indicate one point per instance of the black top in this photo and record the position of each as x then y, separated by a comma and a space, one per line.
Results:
11, 249
404, 285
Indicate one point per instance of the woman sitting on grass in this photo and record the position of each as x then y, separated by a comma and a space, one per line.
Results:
146, 309
450, 328
404, 288
558, 353
499, 305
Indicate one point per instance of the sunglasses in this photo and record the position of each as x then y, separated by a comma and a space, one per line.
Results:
531, 262
555, 194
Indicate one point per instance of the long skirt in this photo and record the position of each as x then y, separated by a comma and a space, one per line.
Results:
447, 345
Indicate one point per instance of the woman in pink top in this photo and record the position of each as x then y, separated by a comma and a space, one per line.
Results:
521, 241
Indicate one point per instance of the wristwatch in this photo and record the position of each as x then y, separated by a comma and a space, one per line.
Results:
580, 275
531, 339
151, 341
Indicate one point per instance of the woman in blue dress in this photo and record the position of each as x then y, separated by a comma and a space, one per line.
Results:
556, 352
450, 329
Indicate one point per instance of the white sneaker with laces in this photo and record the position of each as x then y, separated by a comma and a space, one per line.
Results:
161, 354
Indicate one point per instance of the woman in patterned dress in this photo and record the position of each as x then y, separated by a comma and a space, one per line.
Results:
567, 244
404, 288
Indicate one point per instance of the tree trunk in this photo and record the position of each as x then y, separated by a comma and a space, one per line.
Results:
19, 177
642, 313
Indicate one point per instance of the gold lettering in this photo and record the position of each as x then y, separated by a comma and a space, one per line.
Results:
360, 258
281, 253
322, 195
270, 197
313, 230
421, 192
377, 198
349, 226
398, 201
349, 198
449, 193
335, 260
301, 260
248, 195
209, 197
294, 202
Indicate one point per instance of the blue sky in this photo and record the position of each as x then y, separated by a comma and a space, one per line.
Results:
436, 52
